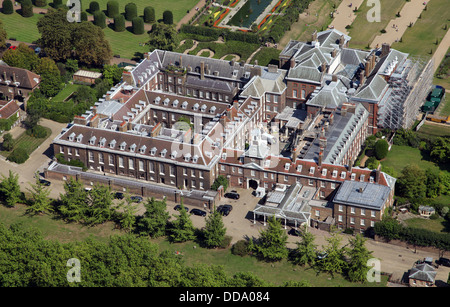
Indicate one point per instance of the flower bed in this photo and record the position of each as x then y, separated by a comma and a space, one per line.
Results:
234, 3
220, 18
264, 20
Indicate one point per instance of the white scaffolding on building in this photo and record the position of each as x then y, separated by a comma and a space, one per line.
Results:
408, 88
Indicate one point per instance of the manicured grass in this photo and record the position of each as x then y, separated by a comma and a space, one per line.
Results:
363, 32
420, 39
179, 8
66, 92
432, 131
266, 56
401, 156
21, 28
244, 50
318, 19
438, 225
126, 44
27, 142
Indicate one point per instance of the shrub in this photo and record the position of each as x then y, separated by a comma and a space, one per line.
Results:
40, 3
149, 14
27, 8
137, 25
100, 19
119, 23
37, 132
130, 11
240, 248
8, 7
168, 17
19, 156
372, 163
225, 242
94, 7
112, 8
83, 16
381, 149
220, 181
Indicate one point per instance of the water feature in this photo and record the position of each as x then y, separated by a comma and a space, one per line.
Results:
248, 13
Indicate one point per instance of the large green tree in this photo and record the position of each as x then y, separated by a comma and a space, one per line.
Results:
73, 203
306, 251
271, 244
10, 189
412, 182
214, 232
162, 37
181, 229
40, 200
154, 221
99, 209
333, 261
359, 256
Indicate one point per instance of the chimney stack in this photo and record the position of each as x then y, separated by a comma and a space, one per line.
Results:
385, 49
202, 70
361, 78
320, 157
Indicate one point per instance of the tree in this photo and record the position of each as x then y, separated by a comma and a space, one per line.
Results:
127, 215
137, 25
168, 17
214, 232
130, 11
8, 7
40, 201
359, 256
8, 142
440, 151
433, 185
306, 252
10, 189
51, 82
22, 57
3, 36
99, 209
94, 7
221, 180
90, 45
333, 262
182, 229
26, 7
271, 244
155, 219
162, 37
119, 23
381, 149
100, 19
112, 73
56, 35
73, 203
149, 14
18, 155
112, 8
411, 183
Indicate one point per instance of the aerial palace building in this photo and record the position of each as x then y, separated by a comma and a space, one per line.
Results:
176, 122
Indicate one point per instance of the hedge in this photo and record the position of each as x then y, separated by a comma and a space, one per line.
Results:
112, 8
119, 23
137, 25
149, 14
8, 7
214, 34
130, 11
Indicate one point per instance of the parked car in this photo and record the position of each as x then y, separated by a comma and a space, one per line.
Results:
294, 232
136, 199
118, 195
224, 209
232, 195
178, 207
45, 182
444, 261
198, 212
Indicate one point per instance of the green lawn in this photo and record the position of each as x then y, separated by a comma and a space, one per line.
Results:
420, 39
267, 56
27, 142
438, 225
54, 229
401, 156
364, 32
66, 92
432, 131
21, 28
179, 8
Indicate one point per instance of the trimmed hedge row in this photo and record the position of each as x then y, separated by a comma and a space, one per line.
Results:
214, 34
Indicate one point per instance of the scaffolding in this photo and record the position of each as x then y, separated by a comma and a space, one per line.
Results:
408, 88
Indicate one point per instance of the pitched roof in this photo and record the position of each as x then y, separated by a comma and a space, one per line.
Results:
25, 78
424, 272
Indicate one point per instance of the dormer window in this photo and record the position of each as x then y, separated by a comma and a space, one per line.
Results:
195, 158
343, 174
157, 100
212, 110
133, 147
173, 155
224, 156
102, 142
175, 103
79, 138
287, 166
142, 149
92, 140
353, 176
184, 104
72, 136
361, 178
324, 172
163, 153
335, 173
203, 109
267, 163
153, 151
112, 144
311, 170
195, 107
187, 157
371, 179
123, 145
299, 168
166, 101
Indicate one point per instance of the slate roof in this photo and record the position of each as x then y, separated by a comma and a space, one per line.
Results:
362, 194
424, 272
25, 78
331, 95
